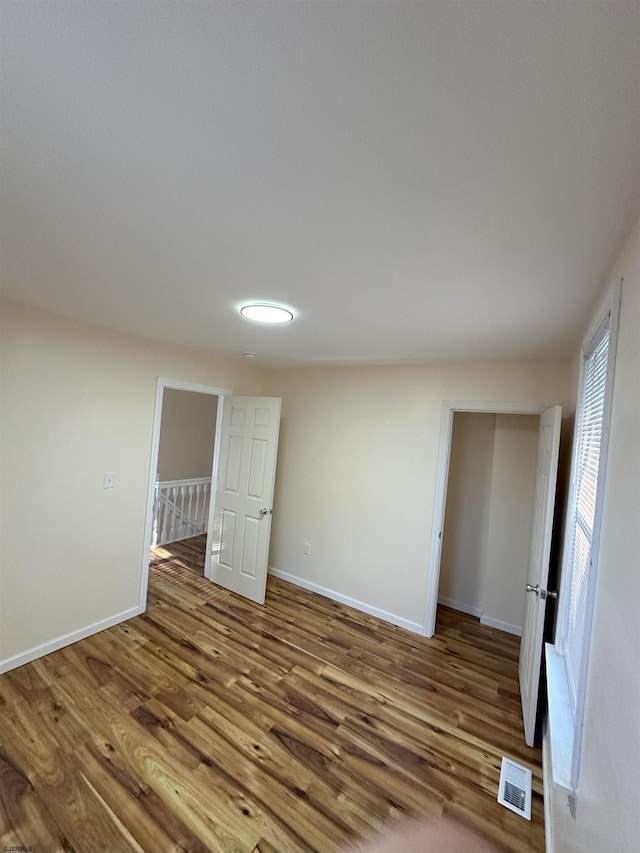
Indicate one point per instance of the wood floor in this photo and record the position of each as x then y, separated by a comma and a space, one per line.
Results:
212, 724
188, 553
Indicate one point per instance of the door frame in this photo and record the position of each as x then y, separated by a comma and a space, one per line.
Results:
176, 385
449, 408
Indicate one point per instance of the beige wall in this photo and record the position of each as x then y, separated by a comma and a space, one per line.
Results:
513, 483
187, 434
78, 401
466, 518
607, 818
356, 471
357, 465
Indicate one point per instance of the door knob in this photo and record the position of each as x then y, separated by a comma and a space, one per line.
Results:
543, 593
264, 511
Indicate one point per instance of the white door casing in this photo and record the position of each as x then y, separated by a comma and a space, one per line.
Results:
244, 494
539, 554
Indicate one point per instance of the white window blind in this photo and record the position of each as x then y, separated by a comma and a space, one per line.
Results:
568, 658
589, 434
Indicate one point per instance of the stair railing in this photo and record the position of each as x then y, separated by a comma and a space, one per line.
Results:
180, 509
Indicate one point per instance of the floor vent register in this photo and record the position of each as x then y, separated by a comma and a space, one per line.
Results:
514, 790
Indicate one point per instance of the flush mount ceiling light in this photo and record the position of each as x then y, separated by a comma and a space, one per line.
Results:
266, 313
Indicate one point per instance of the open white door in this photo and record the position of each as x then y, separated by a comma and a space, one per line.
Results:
244, 494
536, 588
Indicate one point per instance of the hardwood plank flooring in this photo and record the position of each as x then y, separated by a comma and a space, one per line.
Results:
213, 724
187, 552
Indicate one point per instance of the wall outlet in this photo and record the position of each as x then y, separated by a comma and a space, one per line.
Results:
307, 549
109, 481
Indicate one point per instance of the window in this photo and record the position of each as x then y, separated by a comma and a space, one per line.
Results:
581, 517
567, 661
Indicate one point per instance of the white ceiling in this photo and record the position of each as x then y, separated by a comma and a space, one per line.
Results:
417, 180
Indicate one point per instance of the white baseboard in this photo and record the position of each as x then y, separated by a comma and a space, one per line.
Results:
415, 627
66, 640
477, 612
501, 626
461, 606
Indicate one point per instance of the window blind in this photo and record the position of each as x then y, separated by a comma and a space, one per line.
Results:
587, 468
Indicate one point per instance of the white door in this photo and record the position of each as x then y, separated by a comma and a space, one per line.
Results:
536, 588
244, 494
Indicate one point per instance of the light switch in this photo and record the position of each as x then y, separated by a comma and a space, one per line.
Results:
109, 480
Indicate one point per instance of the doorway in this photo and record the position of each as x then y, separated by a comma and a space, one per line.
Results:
488, 516
449, 409
186, 437
183, 480
534, 591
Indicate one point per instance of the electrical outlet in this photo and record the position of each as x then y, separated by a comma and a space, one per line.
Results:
307, 549
109, 481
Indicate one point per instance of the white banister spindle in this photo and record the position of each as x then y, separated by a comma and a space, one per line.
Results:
183, 520
196, 512
175, 513
173, 497
165, 518
180, 509
206, 489
190, 487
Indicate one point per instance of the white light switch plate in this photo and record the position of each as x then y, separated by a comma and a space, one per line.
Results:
109, 480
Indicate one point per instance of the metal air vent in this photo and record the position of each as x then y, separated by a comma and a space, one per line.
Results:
514, 790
